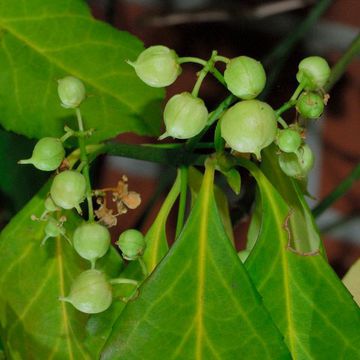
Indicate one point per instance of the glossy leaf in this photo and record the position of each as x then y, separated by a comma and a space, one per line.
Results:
199, 302
305, 298
34, 323
195, 181
44, 41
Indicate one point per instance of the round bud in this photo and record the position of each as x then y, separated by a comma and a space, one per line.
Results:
71, 92
157, 66
90, 292
288, 140
68, 189
249, 126
47, 155
132, 244
297, 164
185, 116
91, 241
53, 228
245, 77
314, 72
310, 105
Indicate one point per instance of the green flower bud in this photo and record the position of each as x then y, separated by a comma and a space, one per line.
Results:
157, 66
249, 126
90, 292
71, 92
185, 116
91, 241
288, 140
68, 189
53, 228
310, 105
47, 155
132, 244
298, 164
245, 77
314, 71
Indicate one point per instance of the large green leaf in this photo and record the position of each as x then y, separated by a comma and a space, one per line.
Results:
199, 302
34, 324
42, 41
305, 298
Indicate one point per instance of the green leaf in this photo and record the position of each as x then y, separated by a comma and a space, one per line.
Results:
34, 324
199, 302
44, 41
156, 241
195, 181
305, 298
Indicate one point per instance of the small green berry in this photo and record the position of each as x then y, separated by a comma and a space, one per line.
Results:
310, 105
157, 66
249, 126
288, 140
185, 116
91, 241
314, 71
47, 155
132, 244
50, 205
245, 77
68, 189
298, 164
71, 92
90, 292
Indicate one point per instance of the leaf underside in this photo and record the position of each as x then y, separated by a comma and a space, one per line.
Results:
199, 302
41, 42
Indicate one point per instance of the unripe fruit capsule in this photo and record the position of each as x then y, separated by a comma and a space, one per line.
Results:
245, 77
68, 189
47, 155
288, 140
185, 116
298, 164
310, 105
314, 71
91, 241
249, 126
157, 66
90, 292
132, 244
71, 92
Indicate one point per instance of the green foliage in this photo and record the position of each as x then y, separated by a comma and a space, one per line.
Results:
42, 42
220, 314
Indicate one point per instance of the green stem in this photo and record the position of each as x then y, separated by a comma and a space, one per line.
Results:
200, 79
84, 160
182, 201
297, 92
191, 59
143, 266
338, 192
223, 59
124, 281
282, 122
340, 67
